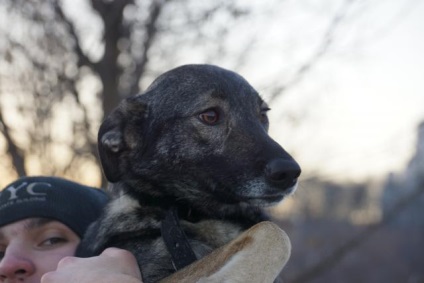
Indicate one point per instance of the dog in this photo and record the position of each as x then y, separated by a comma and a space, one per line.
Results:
191, 166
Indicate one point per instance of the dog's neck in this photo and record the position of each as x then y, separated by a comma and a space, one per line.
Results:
193, 211
155, 208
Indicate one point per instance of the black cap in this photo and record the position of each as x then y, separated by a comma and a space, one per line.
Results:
73, 204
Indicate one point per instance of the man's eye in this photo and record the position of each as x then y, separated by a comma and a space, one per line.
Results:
53, 241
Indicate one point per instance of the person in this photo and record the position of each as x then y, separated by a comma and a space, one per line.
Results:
42, 220
113, 265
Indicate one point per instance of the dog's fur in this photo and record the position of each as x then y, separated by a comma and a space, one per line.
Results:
196, 141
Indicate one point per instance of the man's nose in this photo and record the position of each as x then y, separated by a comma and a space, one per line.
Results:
15, 266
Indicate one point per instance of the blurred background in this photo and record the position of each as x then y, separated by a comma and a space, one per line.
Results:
344, 78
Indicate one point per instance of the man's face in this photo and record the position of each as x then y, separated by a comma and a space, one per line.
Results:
31, 247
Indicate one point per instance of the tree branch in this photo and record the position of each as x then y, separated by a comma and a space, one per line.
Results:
83, 60
18, 159
108, 68
327, 41
151, 30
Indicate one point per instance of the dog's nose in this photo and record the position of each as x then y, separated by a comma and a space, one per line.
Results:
282, 171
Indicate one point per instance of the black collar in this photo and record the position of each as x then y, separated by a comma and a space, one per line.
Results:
176, 240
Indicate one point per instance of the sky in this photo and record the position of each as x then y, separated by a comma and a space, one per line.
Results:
355, 115
363, 124
357, 111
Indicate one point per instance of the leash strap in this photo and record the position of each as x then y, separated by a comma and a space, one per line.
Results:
176, 240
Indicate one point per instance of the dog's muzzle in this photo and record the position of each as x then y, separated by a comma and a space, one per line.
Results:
282, 173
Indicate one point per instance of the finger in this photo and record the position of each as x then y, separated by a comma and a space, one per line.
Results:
126, 258
49, 277
116, 252
66, 261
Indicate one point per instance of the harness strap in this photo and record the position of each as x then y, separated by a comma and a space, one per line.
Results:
176, 240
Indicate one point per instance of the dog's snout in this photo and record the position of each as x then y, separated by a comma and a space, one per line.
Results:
282, 171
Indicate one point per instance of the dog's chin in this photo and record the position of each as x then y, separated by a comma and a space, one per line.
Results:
265, 201
268, 197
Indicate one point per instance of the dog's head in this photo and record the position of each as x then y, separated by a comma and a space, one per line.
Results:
198, 132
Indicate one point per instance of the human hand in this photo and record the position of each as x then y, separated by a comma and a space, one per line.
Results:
113, 265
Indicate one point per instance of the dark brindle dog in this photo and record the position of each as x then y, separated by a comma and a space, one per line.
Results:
195, 144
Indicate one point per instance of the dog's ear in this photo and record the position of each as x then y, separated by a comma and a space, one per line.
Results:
115, 136
110, 145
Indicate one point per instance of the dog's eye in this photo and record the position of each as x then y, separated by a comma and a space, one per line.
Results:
209, 117
264, 116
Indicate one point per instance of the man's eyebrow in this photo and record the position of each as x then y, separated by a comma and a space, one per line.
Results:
30, 224
35, 223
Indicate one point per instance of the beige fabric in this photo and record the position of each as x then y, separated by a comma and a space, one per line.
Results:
257, 255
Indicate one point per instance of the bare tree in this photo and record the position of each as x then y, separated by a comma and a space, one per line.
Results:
59, 77
51, 64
